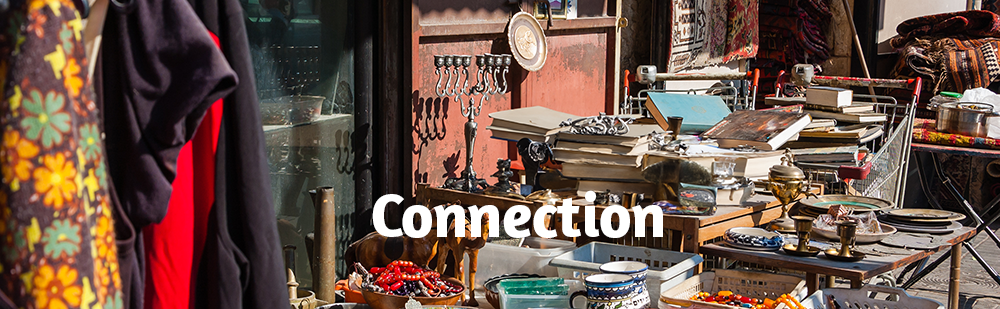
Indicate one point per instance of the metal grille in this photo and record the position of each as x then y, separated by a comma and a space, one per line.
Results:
737, 90
886, 177
286, 70
892, 152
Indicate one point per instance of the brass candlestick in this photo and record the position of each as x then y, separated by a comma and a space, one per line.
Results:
847, 230
787, 183
803, 226
488, 80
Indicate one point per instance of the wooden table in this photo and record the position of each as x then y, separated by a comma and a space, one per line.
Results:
855, 271
681, 232
430, 196
687, 233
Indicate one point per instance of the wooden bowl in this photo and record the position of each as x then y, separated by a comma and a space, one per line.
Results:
385, 301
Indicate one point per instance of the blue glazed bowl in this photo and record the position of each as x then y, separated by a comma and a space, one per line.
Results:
607, 287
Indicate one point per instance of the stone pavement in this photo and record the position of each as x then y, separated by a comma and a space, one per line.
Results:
976, 288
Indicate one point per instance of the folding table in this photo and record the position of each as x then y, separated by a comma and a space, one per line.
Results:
857, 272
990, 211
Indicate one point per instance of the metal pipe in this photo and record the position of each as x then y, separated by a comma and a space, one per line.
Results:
325, 277
699, 76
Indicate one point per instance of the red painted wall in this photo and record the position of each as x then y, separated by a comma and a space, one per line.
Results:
573, 80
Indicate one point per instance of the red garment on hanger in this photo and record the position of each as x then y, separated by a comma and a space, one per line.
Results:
173, 246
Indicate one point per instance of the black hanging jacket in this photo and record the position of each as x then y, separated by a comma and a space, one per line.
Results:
241, 266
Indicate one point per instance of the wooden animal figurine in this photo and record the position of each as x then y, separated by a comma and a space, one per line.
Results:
376, 250
458, 247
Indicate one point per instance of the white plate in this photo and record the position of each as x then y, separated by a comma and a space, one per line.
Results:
859, 238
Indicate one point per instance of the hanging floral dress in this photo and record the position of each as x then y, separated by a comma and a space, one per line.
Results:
57, 239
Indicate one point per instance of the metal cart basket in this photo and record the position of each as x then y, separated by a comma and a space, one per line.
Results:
882, 175
737, 90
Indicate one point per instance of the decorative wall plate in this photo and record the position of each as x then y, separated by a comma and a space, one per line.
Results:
527, 41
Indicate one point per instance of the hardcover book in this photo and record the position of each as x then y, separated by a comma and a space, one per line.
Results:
700, 112
761, 129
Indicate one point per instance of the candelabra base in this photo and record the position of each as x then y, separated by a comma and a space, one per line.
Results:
468, 183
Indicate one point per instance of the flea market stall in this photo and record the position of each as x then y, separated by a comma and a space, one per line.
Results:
565, 179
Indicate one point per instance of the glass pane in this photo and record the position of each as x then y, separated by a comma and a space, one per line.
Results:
304, 67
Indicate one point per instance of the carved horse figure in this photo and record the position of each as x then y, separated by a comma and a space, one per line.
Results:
377, 250
458, 247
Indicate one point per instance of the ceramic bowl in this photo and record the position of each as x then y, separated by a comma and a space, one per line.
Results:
635, 269
608, 281
859, 238
385, 301
608, 287
752, 237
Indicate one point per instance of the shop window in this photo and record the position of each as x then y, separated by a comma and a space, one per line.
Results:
304, 69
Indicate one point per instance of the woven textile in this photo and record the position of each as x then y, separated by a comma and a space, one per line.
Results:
974, 24
924, 131
742, 40
707, 32
792, 31
951, 64
973, 64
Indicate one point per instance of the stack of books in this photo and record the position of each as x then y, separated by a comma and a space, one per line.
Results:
837, 119
837, 136
844, 155
832, 103
605, 162
536, 122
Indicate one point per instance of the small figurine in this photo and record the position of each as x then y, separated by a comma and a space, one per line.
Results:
504, 187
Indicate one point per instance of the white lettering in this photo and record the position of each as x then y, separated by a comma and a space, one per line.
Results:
516, 220
539, 221
425, 221
516, 216
588, 222
378, 215
623, 221
477, 214
568, 210
640, 220
442, 220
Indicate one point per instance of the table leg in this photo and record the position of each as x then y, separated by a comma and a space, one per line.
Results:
956, 263
830, 280
856, 284
812, 282
949, 184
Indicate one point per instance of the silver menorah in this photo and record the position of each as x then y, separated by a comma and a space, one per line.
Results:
491, 79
